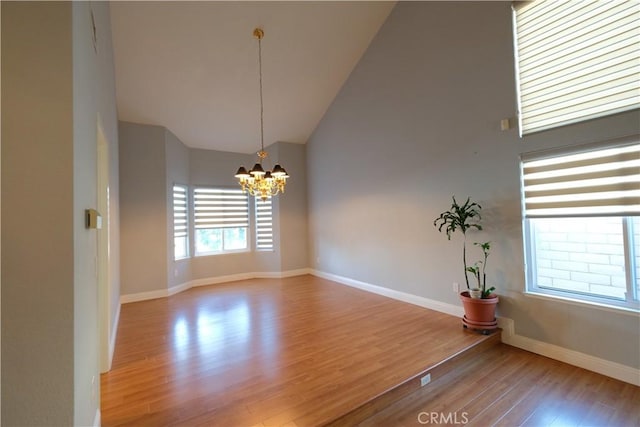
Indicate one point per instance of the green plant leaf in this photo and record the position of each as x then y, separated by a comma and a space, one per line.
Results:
486, 293
461, 217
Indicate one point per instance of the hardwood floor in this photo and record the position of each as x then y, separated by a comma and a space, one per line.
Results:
304, 351
511, 387
301, 350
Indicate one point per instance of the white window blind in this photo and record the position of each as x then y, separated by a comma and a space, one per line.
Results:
180, 222
602, 181
221, 221
220, 208
264, 224
576, 60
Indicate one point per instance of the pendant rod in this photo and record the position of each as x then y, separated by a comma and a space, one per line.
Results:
258, 33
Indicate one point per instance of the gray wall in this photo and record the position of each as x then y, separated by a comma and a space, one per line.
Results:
293, 233
177, 173
143, 208
55, 87
37, 258
93, 97
417, 122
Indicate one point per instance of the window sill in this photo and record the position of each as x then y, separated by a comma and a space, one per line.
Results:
206, 254
583, 303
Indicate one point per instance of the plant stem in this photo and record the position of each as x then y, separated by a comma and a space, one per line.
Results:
464, 258
484, 266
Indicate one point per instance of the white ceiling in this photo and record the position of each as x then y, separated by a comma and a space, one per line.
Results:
193, 66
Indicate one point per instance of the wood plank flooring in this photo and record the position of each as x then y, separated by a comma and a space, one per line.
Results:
299, 351
304, 351
511, 387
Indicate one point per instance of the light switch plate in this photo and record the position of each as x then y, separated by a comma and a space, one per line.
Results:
92, 219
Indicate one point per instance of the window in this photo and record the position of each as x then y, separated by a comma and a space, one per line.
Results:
264, 224
221, 220
575, 60
180, 222
582, 223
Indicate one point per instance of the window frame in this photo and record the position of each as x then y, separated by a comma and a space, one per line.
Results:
194, 228
631, 303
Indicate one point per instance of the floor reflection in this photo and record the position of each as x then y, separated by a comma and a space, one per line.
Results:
218, 329
211, 334
181, 338
268, 339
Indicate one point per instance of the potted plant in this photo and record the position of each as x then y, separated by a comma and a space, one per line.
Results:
478, 271
479, 301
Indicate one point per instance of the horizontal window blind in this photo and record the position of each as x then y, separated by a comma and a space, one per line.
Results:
264, 224
219, 208
597, 182
180, 222
180, 211
576, 60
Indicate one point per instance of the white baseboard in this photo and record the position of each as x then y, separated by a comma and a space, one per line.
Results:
442, 307
214, 281
142, 296
97, 419
591, 363
293, 273
571, 357
162, 293
114, 333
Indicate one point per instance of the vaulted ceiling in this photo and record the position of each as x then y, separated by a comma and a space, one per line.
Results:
193, 66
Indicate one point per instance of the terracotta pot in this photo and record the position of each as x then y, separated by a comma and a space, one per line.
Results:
480, 311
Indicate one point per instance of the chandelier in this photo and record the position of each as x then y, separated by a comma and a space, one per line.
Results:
257, 181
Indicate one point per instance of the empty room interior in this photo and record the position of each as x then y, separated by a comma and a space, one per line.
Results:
320, 213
